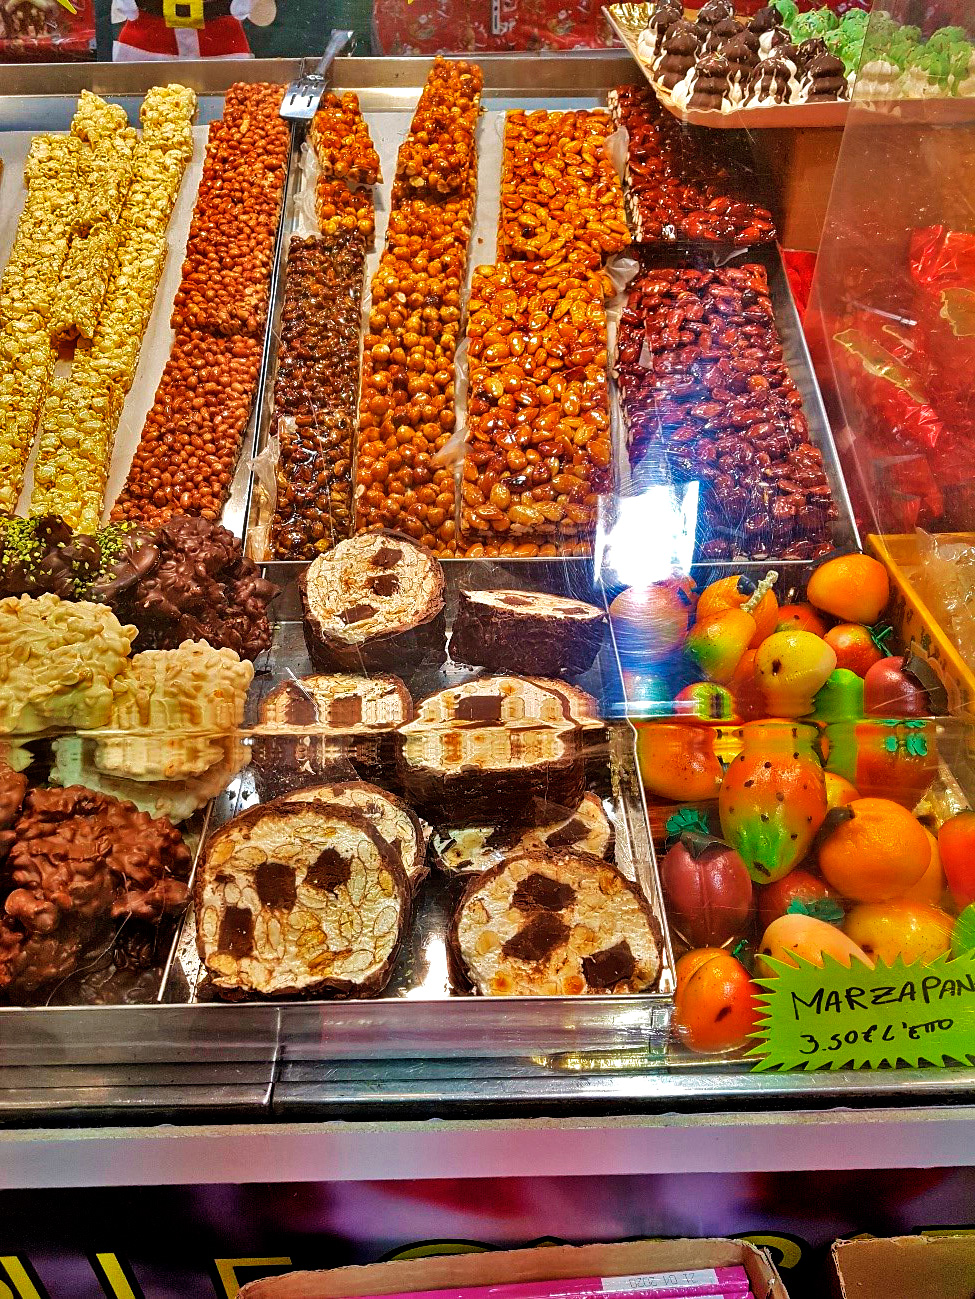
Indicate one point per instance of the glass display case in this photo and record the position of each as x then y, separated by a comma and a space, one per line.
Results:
538, 699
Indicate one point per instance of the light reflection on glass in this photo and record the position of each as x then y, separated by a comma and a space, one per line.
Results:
651, 537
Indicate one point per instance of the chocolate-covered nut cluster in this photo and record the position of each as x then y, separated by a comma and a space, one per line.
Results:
189, 580
316, 392
704, 386
192, 436
561, 200
676, 187
438, 156
13, 787
538, 441
80, 863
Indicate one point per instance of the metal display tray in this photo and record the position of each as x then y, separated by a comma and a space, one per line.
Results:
206, 1056
832, 113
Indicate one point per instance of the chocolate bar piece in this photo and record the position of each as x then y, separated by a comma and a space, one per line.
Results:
399, 825
324, 728
468, 850
526, 631
556, 924
299, 898
497, 746
373, 602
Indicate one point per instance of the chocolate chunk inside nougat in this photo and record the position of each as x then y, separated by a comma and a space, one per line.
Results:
496, 747
399, 825
525, 631
469, 850
300, 897
374, 601
556, 924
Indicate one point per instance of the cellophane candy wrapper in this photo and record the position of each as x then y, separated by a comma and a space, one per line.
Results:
904, 453
943, 271
45, 31
945, 581
464, 26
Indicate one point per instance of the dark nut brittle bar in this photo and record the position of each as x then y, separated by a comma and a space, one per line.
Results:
555, 923
316, 393
300, 897
704, 387
526, 631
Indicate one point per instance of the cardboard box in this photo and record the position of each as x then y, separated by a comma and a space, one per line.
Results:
538, 1264
905, 1267
915, 624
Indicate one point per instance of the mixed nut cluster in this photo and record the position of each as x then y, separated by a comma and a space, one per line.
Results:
348, 166
191, 440
315, 393
406, 407
705, 390
676, 187
538, 438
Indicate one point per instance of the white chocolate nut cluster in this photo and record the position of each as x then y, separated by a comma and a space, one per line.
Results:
176, 799
174, 713
58, 659
106, 292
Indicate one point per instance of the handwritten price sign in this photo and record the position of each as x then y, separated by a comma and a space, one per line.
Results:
837, 1017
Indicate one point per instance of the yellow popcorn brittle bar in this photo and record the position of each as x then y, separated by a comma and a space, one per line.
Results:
44, 230
105, 170
106, 295
95, 119
84, 282
167, 119
75, 432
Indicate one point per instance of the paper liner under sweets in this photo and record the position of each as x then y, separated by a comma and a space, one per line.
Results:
399, 825
555, 924
503, 745
373, 602
526, 631
327, 728
298, 898
469, 850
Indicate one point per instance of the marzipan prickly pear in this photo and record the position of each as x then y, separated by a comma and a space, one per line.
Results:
773, 798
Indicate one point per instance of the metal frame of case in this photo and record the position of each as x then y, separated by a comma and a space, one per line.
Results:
458, 1054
